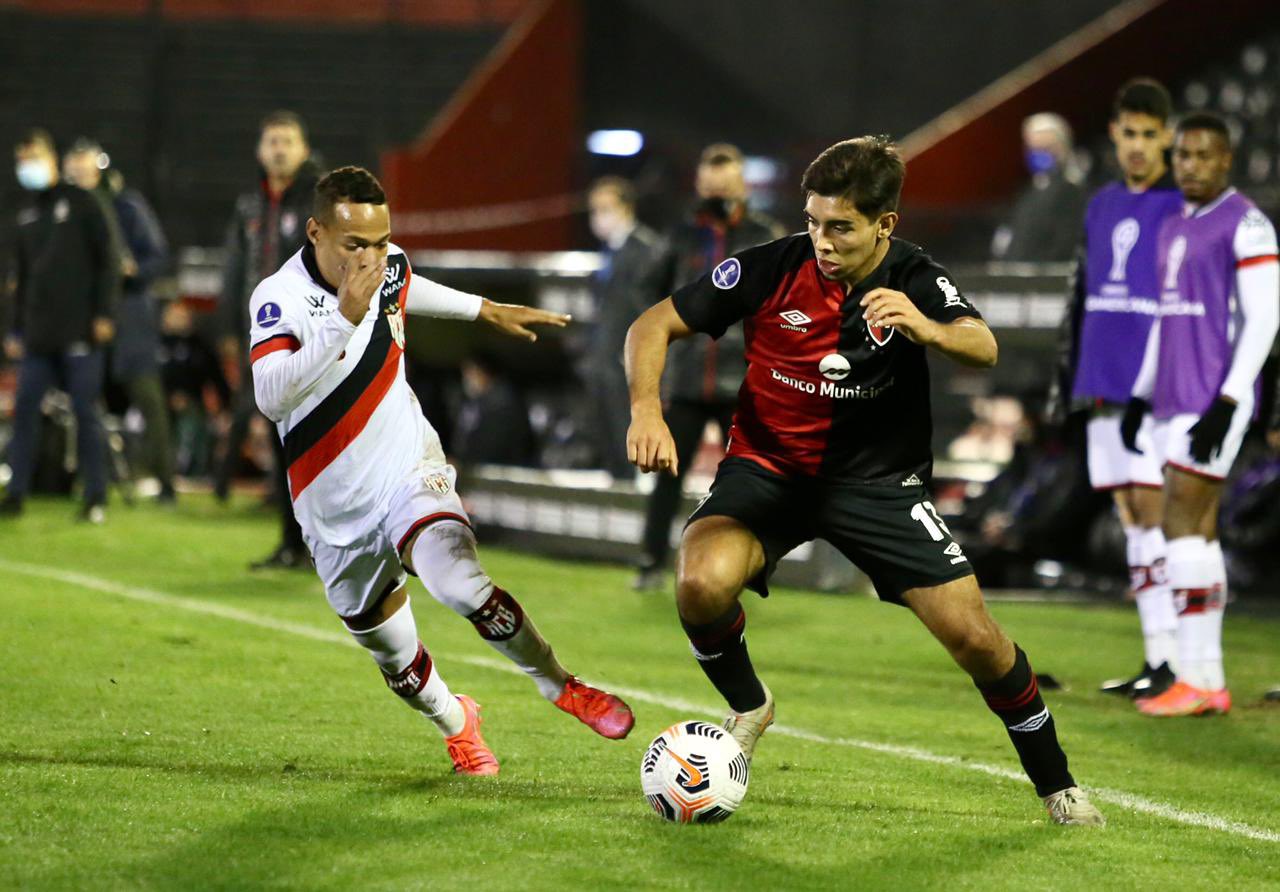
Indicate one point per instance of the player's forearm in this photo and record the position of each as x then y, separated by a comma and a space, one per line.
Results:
645, 356
966, 341
1258, 292
282, 380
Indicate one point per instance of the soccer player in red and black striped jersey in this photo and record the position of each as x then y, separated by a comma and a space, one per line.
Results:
831, 440
367, 475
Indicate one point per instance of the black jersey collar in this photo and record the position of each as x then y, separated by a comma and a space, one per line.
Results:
313, 268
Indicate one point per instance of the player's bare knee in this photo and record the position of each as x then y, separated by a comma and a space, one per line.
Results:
706, 588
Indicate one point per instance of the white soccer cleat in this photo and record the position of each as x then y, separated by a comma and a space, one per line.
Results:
1072, 806
746, 727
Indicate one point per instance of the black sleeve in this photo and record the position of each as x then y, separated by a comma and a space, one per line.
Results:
144, 237
104, 261
233, 300
1068, 345
932, 289
735, 289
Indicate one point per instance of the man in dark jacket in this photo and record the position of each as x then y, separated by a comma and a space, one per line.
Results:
268, 227
143, 253
1035, 232
66, 277
626, 286
703, 376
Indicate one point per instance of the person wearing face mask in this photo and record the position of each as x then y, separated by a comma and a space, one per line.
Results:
1041, 227
66, 278
703, 374
143, 254
268, 226
625, 287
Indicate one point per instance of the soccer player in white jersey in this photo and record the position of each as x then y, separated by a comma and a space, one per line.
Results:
369, 482
1219, 312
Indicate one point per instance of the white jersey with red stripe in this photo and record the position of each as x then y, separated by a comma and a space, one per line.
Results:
352, 429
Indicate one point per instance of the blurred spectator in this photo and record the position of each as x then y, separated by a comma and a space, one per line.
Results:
143, 253
493, 421
268, 227
66, 280
625, 287
1043, 227
1039, 506
703, 376
190, 371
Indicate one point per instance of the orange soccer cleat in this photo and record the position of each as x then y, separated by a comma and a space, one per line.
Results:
602, 712
1184, 699
467, 749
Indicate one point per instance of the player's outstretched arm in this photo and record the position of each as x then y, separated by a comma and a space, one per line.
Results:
650, 446
514, 319
966, 340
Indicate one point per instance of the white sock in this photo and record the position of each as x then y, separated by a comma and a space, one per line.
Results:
409, 670
1214, 610
444, 556
1191, 578
1156, 612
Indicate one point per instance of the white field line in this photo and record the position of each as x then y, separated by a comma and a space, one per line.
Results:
211, 608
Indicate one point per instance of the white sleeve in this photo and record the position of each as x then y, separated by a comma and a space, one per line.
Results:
285, 369
430, 298
1145, 383
1258, 294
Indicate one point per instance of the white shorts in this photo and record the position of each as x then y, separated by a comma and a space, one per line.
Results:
358, 575
1111, 466
1173, 442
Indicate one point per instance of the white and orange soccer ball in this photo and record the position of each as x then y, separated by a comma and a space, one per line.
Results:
694, 772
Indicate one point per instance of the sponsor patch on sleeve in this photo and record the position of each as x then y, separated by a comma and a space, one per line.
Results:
727, 274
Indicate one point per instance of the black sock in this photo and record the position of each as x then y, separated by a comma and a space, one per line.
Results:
721, 649
1015, 698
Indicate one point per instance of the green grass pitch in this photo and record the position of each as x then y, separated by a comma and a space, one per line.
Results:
170, 721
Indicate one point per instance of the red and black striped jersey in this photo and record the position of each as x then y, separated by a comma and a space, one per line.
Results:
825, 394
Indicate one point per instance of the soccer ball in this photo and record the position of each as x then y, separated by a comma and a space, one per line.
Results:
694, 772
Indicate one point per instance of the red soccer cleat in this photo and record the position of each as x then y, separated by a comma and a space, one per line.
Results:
602, 712
1183, 699
470, 754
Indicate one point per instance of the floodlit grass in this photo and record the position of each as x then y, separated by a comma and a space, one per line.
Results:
153, 744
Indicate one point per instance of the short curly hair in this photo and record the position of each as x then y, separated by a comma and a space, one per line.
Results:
354, 185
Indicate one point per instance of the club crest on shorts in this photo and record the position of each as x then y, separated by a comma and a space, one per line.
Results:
726, 275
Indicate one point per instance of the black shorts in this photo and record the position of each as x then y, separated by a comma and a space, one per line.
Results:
890, 532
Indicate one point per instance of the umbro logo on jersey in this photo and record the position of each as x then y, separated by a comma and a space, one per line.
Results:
794, 320
913, 480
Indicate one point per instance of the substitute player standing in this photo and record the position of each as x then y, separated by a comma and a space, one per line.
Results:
367, 474
1219, 312
831, 440
1116, 300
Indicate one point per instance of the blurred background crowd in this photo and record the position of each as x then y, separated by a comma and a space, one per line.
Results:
588, 157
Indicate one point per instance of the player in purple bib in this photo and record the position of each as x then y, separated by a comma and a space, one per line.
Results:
1115, 303
1219, 312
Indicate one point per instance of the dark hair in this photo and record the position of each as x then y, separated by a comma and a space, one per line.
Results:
1143, 96
1206, 121
866, 171
283, 118
625, 191
36, 136
351, 184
